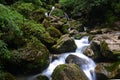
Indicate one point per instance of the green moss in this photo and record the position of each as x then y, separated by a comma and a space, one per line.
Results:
36, 55
32, 28
65, 28
104, 46
116, 52
54, 32
38, 14
113, 67
57, 12
57, 70
47, 38
42, 77
90, 37
79, 36
25, 8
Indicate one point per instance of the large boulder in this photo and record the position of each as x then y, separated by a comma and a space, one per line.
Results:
35, 55
64, 44
68, 72
32, 58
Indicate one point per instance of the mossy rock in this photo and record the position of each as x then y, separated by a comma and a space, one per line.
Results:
54, 32
47, 39
78, 36
6, 76
68, 72
38, 15
90, 37
65, 28
32, 28
42, 77
105, 50
57, 12
64, 44
35, 56
32, 58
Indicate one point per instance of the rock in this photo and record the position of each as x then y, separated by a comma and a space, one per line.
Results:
64, 44
38, 14
104, 45
32, 58
35, 56
42, 77
100, 76
110, 70
68, 72
96, 31
54, 32
76, 60
6, 76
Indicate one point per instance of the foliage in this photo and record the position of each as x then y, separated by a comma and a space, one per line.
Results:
4, 52
93, 11
81, 5
36, 2
8, 20
24, 8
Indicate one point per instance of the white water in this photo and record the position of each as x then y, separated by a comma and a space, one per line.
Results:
87, 68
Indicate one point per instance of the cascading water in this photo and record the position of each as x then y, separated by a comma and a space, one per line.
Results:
88, 68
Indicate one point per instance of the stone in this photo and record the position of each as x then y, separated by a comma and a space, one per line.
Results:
110, 70
68, 72
64, 44
42, 77
76, 60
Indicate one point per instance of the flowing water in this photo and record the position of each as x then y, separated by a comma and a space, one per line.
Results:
88, 68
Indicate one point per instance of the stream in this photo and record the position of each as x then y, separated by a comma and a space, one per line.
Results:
88, 68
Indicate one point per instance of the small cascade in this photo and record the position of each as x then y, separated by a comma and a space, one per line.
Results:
88, 68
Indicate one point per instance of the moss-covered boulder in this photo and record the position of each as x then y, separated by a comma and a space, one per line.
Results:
64, 44
38, 14
6, 76
35, 56
68, 72
32, 58
54, 32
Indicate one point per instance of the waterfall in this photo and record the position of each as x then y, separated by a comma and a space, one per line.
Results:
88, 69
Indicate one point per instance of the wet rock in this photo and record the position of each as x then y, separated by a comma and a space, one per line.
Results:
76, 60
64, 44
68, 72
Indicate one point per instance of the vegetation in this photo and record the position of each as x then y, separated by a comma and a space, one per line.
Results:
27, 35
93, 11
